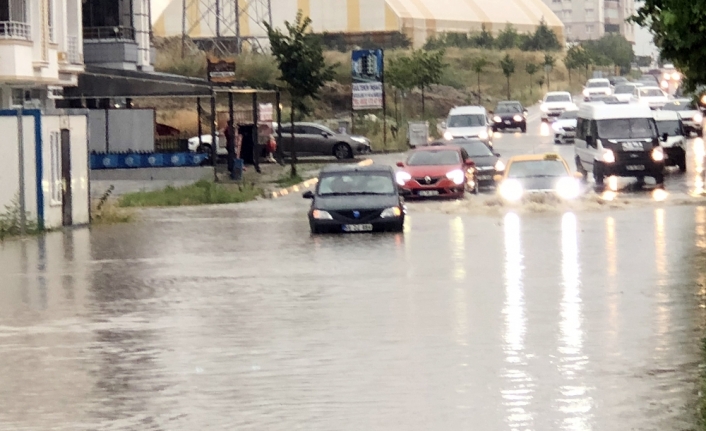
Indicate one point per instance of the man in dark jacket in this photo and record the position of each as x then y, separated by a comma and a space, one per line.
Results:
230, 146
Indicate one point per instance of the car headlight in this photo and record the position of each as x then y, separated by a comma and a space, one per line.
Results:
402, 177
703, 99
499, 166
483, 135
518, 117
568, 188
359, 139
676, 76
457, 176
511, 190
665, 76
391, 212
543, 108
664, 84
557, 128
586, 93
698, 118
321, 215
609, 156
448, 136
658, 154
497, 119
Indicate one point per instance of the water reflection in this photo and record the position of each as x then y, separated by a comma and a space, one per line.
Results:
458, 248
663, 296
699, 153
544, 129
611, 253
520, 388
575, 403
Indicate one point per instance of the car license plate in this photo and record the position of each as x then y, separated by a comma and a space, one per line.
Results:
635, 167
428, 193
507, 121
484, 177
357, 227
632, 146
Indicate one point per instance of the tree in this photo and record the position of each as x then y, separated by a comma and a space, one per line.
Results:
508, 38
484, 39
427, 69
302, 66
478, 66
549, 62
612, 49
399, 73
543, 39
679, 33
576, 58
531, 69
507, 64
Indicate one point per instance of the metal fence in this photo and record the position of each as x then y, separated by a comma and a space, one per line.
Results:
171, 144
73, 52
109, 33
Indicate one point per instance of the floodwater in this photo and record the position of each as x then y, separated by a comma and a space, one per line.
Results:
235, 318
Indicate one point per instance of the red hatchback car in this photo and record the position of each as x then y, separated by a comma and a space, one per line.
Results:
437, 171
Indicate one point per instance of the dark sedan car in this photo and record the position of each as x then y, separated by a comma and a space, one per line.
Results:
509, 115
356, 199
487, 163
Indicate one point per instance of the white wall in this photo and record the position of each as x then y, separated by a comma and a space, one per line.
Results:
9, 163
78, 125
52, 209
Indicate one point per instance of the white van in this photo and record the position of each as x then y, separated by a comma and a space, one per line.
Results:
468, 122
671, 129
620, 140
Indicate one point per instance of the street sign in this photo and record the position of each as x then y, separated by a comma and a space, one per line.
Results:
266, 113
367, 73
417, 133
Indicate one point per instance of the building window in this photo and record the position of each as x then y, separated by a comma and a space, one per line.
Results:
56, 186
108, 19
612, 28
50, 20
20, 96
13, 20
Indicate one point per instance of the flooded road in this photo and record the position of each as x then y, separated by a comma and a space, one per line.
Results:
234, 317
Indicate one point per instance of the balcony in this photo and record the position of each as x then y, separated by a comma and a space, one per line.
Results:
122, 34
15, 30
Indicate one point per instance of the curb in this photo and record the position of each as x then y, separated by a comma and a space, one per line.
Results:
306, 184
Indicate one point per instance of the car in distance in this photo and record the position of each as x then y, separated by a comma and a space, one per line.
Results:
356, 199
554, 103
487, 163
538, 174
316, 139
671, 130
597, 86
624, 91
653, 97
565, 127
690, 115
509, 115
437, 171
468, 122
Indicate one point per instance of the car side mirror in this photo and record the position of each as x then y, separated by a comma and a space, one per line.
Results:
443, 124
496, 154
325, 134
400, 165
665, 137
308, 194
589, 141
497, 178
470, 163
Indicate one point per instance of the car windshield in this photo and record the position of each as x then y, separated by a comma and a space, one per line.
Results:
596, 84
475, 148
468, 120
537, 168
438, 157
680, 106
671, 128
506, 108
624, 89
626, 128
558, 98
360, 183
569, 115
651, 92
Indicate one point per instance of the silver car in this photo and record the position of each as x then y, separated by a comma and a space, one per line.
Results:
315, 139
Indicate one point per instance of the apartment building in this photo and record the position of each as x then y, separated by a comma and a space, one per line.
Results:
591, 19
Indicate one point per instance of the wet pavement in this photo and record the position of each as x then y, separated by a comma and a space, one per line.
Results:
234, 317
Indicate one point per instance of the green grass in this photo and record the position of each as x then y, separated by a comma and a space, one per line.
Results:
287, 180
201, 193
110, 213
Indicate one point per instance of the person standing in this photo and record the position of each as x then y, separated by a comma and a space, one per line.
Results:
230, 147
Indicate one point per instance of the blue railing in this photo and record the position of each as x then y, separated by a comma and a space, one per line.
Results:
100, 161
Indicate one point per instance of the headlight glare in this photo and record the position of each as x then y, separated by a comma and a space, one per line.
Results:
609, 156
518, 117
556, 127
457, 176
499, 166
586, 93
544, 108
658, 154
698, 118
359, 139
483, 135
321, 215
448, 136
568, 188
676, 76
402, 177
497, 119
391, 212
511, 190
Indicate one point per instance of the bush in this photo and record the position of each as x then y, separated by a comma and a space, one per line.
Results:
11, 221
202, 193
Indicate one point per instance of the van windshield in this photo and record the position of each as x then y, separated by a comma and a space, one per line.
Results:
470, 120
627, 128
598, 84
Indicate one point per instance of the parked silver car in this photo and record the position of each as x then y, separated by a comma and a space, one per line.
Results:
315, 139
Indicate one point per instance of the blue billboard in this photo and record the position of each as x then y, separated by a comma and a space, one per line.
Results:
367, 73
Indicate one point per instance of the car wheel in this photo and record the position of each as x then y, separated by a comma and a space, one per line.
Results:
204, 148
581, 170
399, 227
342, 151
523, 129
598, 174
682, 163
659, 179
